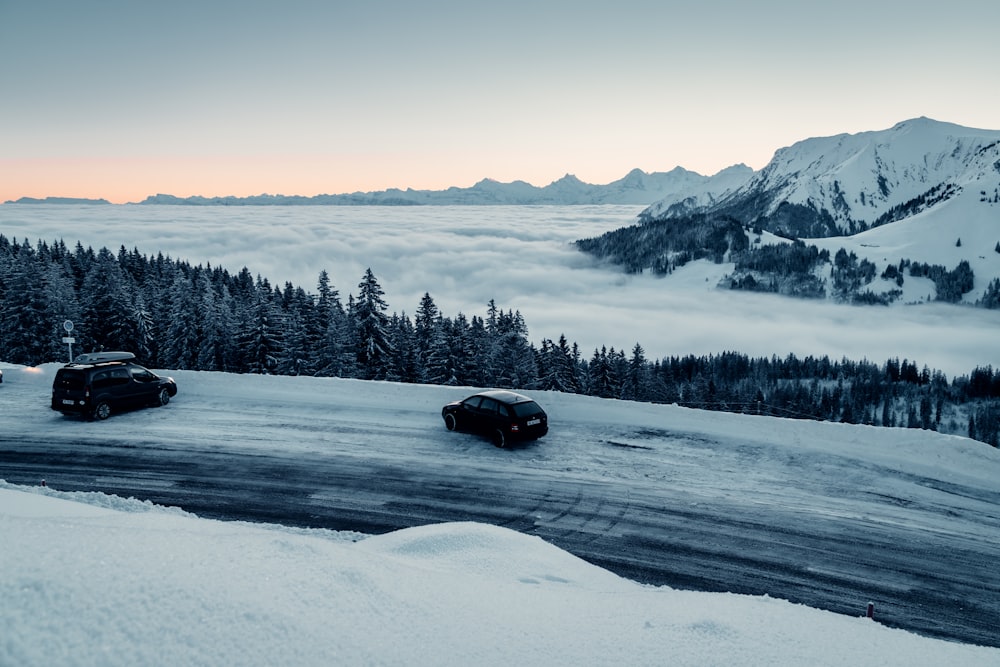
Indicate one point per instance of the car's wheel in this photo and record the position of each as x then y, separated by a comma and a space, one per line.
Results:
164, 397
450, 422
103, 410
499, 439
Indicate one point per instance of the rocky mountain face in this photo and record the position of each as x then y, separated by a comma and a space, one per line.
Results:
845, 184
905, 215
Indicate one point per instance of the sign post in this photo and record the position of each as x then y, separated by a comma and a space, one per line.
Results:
68, 338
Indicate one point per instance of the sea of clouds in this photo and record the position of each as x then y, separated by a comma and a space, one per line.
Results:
523, 258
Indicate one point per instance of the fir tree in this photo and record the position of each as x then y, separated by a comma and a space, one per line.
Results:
371, 322
261, 340
636, 386
107, 313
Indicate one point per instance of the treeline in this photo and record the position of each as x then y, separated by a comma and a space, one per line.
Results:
175, 315
661, 245
935, 195
791, 269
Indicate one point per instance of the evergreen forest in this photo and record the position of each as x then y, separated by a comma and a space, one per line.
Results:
178, 316
662, 245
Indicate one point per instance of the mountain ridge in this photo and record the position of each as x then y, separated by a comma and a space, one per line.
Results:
637, 187
908, 214
847, 183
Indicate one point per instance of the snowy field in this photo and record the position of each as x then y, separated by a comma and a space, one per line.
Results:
521, 256
90, 579
93, 579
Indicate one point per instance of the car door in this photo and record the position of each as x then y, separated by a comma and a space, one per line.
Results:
143, 386
102, 388
118, 384
488, 417
468, 413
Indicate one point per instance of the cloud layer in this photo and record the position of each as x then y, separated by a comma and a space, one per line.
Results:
522, 258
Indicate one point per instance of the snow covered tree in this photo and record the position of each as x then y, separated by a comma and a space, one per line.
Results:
636, 386
298, 354
510, 356
402, 363
371, 326
562, 370
108, 316
261, 340
183, 326
602, 376
23, 319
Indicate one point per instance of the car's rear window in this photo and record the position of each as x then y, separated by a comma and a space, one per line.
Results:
67, 378
526, 409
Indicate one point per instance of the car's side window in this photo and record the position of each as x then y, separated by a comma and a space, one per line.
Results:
473, 402
119, 376
102, 380
489, 406
140, 374
502, 409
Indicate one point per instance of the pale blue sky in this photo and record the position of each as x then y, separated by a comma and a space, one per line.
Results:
122, 99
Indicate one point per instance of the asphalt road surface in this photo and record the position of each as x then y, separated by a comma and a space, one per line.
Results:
651, 533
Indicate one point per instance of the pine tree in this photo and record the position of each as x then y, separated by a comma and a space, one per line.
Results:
440, 363
402, 362
334, 353
464, 340
216, 351
636, 387
427, 330
511, 357
298, 355
183, 330
23, 320
107, 313
61, 304
261, 339
566, 362
600, 374
372, 323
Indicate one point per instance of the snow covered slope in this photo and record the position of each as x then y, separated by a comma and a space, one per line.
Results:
120, 582
851, 182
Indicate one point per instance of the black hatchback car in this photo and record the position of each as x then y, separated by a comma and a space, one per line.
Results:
503, 416
95, 385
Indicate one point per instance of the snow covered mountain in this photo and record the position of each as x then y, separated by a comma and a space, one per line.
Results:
907, 215
636, 187
845, 184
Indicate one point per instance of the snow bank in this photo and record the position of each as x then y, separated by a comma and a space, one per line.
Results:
90, 579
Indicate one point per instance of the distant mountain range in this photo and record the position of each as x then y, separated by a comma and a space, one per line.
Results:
817, 187
56, 200
637, 187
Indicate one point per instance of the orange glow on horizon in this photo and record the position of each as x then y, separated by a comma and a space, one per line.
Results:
123, 180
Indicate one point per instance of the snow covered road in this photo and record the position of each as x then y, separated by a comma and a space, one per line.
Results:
830, 515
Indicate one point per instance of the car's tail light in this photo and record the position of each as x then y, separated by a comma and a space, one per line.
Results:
514, 428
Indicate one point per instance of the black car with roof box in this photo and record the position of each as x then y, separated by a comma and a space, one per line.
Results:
96, 384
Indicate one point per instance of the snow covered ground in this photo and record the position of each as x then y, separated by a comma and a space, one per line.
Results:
89, 579
93, 579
